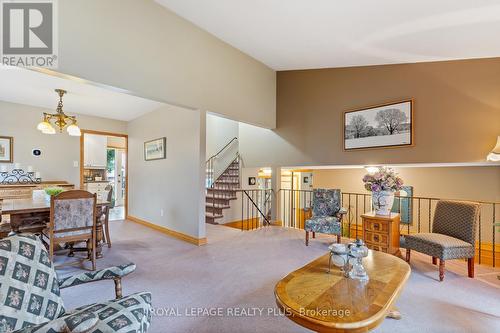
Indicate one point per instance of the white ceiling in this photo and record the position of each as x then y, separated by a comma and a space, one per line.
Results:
300, 34
37, 89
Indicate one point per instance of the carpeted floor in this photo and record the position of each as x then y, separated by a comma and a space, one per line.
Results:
237, 271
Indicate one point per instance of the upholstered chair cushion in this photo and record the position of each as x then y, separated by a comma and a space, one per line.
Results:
326, 202
79, 322
456, 219
439, 246
71, 214
29, 288
128, 314
324, 225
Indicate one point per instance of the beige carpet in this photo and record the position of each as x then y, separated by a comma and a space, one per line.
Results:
237, 271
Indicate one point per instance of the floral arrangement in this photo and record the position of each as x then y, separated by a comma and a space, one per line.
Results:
385, 179
53, 190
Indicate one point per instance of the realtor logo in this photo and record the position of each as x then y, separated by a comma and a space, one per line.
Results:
29, 36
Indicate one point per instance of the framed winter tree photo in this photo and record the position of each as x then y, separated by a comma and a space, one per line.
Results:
380, 126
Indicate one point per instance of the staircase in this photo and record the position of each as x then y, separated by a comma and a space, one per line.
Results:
222, 181
222, 192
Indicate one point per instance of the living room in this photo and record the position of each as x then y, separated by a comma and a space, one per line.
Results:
289, 167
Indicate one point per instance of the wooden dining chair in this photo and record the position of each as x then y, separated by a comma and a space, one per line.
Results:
105, 213
73, 220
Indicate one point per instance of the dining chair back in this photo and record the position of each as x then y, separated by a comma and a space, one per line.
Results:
72, 220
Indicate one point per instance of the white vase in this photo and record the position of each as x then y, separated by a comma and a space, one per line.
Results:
382, 202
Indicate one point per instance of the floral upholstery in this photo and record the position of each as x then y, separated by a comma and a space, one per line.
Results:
324, 224
453, 232
326, 208
30, 295
326, 202
72, 214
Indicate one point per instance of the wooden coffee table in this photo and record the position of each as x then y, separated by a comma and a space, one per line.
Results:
329, 302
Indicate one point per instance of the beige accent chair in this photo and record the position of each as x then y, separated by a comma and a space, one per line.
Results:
453, 235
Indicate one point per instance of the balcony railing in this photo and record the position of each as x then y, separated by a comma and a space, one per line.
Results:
416, 216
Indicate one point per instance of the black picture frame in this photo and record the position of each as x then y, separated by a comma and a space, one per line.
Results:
155, 149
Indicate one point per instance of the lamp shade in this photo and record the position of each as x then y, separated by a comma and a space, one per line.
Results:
49, 130
43, 126
74, 130
494, 155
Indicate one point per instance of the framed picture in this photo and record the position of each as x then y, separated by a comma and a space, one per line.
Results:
380, 126
252, 181
6, 149
155, 149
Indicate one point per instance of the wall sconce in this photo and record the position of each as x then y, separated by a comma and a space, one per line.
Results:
494, 155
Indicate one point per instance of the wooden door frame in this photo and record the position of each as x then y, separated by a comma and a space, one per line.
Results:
82, 159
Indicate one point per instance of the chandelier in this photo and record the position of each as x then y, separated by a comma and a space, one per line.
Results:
60, 119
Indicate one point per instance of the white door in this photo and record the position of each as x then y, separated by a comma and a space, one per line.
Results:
120, 160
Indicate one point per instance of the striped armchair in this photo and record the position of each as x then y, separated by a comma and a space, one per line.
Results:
453, 235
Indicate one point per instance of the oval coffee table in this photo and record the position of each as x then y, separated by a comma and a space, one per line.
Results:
329, 302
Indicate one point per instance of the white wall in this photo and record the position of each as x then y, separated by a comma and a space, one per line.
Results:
59, 151
175, 184
141, 46
219, 132
264, 147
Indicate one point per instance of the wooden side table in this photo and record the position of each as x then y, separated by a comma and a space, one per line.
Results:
381, 233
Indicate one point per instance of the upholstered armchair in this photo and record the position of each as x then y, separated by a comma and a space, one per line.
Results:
30, 299
453, 235
326, 215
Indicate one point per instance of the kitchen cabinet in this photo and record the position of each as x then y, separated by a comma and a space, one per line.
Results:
95, 151
98, 188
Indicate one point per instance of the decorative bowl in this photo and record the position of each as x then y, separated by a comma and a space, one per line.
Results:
51, 191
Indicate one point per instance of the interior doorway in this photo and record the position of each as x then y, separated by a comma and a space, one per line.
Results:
116, 175
103, 165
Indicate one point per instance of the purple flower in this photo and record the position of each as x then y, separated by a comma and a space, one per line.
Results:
384, 180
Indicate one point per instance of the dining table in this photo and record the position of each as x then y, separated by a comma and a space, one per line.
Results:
33, 214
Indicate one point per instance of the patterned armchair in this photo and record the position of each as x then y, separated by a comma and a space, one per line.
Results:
453, 235
30, 299
327, 214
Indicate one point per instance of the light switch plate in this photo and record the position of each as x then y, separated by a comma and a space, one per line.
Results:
76, 164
